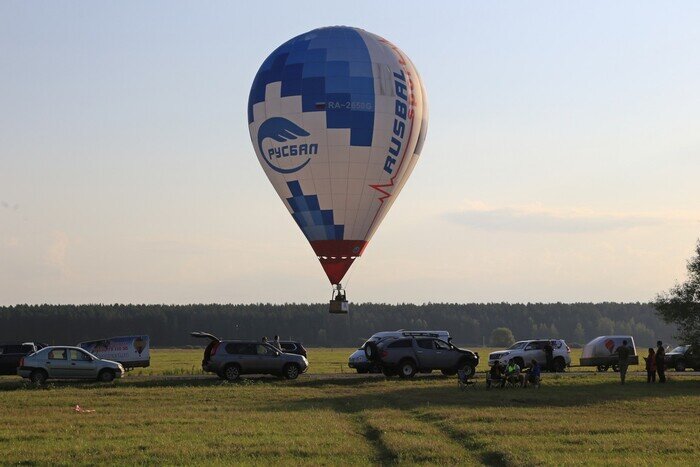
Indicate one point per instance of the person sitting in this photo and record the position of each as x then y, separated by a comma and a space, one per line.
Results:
513, 374
495, 376
533, 376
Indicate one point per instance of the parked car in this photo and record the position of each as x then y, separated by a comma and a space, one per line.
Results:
410, 354
293, 347
231, 358
358, 360
682, 357
67, 363
600, 352
11, 354
523, 352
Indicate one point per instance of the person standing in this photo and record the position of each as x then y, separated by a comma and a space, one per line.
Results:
549, 355
651, 366
660, 363
623, 353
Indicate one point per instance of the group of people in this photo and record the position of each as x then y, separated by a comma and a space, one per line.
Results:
655, 362
275, 342
500, 375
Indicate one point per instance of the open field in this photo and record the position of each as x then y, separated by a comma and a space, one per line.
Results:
572, 419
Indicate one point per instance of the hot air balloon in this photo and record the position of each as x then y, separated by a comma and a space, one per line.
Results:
337, 117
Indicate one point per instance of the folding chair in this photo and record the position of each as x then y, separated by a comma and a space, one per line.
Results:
464, 381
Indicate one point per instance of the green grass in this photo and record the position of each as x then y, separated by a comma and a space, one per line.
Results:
572, 419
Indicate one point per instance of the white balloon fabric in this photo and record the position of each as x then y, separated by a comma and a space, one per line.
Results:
337, 117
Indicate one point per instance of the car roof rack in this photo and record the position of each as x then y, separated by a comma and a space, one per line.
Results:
421, 334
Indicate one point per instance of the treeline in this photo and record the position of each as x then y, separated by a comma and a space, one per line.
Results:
469, 324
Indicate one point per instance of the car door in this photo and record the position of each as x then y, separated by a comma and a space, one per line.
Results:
267, 359
445, 357
425, 351
57, 363
81, 365
534, 351
247, 358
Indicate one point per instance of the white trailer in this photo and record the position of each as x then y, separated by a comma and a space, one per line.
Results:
600, 352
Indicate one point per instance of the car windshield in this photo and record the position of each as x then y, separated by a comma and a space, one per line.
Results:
517, 345
91, 355
680, 349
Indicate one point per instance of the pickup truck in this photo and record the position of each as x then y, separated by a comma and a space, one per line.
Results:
10, 355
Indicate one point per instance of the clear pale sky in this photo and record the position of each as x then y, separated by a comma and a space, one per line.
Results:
562, 161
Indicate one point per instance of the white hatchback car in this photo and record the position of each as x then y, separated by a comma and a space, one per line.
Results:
523, 352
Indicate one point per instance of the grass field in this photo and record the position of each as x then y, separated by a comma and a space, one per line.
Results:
572, 419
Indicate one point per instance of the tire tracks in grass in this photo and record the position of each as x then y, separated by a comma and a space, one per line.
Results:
468, 440
383, 454
356, 416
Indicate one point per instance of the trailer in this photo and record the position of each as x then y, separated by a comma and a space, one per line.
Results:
600, 352
130, 351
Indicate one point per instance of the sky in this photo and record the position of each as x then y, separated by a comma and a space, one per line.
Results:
562, 161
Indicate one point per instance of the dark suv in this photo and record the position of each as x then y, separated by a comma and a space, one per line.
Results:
11, 354
407, 355
292, 347
682, 357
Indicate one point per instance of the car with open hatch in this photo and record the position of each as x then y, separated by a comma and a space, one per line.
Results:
416, 352
63, 362
229, 359
523, 352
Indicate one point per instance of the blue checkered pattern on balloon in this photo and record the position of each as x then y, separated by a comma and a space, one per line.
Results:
316, 223
330, 68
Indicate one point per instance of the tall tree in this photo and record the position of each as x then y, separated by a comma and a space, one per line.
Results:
681, 304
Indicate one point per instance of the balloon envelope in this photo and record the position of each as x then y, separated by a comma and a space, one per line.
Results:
337, 117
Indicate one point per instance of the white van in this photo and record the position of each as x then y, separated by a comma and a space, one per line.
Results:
130, 351
358, 360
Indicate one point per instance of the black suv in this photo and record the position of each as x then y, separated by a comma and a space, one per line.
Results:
682, 357
11, 354
415, 353
292, 347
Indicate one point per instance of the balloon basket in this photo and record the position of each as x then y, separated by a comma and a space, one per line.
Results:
339, 307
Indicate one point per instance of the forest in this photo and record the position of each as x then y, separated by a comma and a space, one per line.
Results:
469, 324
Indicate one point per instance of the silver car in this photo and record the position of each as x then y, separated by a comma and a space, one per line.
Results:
231, 358
67, 363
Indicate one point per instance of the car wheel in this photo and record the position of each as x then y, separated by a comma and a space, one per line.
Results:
449, 372
680, 365
468, 370
106, 376
291, 371
232, 372
38, 377
371, 351
407, 369
616, 368
602, 368
559, 365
